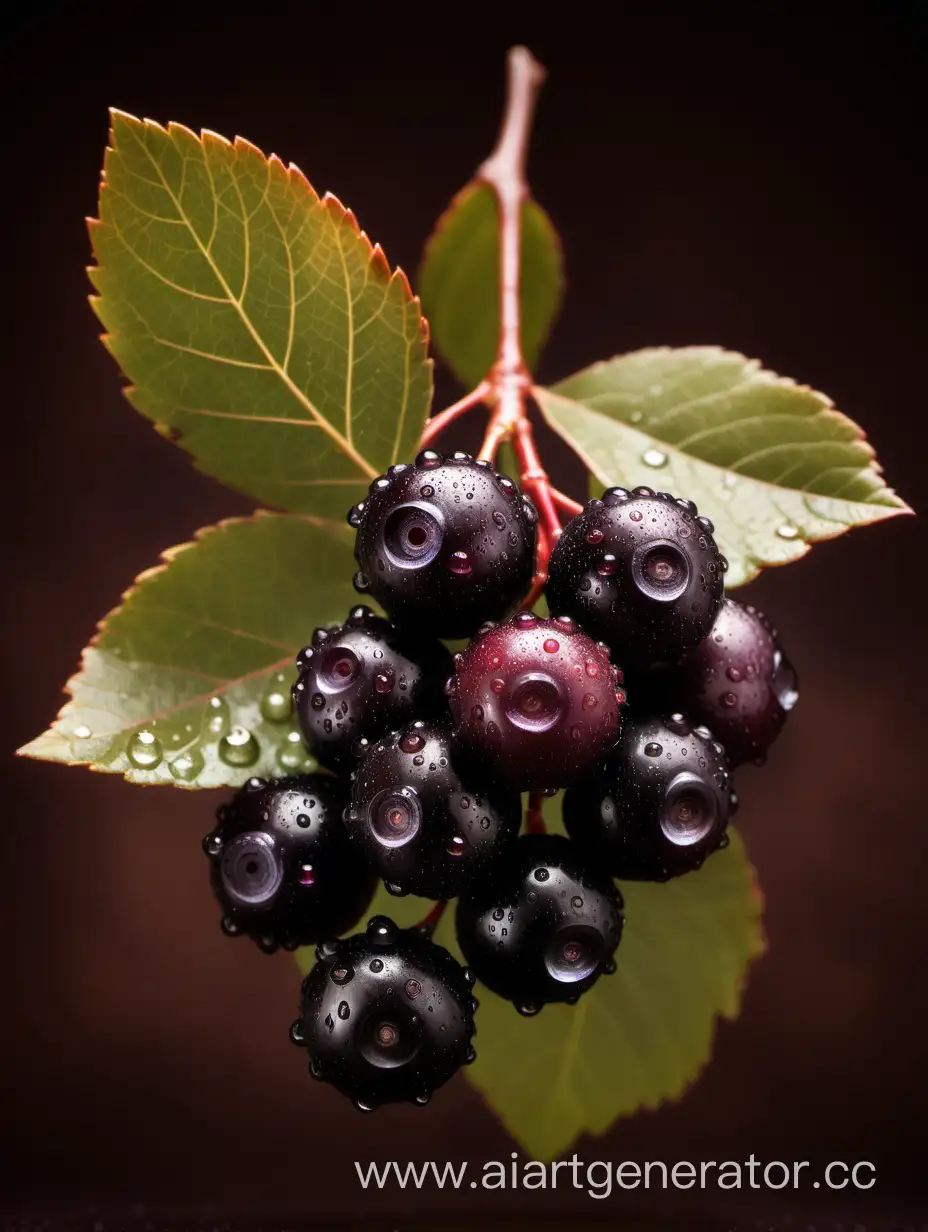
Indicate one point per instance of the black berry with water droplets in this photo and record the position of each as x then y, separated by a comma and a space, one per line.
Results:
386, 1016
659, 806
739, 682
544, 928
641, 571
444, 544
282, 865
536, 702
361, 679
424, 827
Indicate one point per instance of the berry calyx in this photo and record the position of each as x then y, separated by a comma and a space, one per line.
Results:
444, 543
386, 1016
360, 679
739, 683
641, 571
424, 827
535, 702
282, 866
544, 928
659, 806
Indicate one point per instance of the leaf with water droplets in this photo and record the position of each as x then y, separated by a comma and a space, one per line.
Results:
188, 682
639, 1037
459, 282
258, 325
772, 463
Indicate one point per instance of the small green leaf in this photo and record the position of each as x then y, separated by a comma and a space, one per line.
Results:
257, 323
189, 681
459, 282
772, 463
637, 1038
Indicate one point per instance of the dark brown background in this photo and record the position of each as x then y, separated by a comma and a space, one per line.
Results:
750, 181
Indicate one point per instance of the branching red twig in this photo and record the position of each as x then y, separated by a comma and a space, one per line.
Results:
508, 383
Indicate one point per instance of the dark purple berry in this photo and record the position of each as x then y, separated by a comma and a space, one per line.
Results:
386, 1016
422, 826
544, 928
739, 683
639, 571
535, 702
362, 679
282, 865
660, 804
445, 544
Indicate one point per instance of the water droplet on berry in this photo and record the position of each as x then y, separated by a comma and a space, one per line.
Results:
383, 682
541, 874
733, 673
655, 458
636, 515
239, 747
476, 713
592, 670
460, 563
212, 844
187, 765
607, 568
551, 646
524, 620
277, 703
576, 902
595, 536
728, 700
427, 490
653, 749
412, 742
498, 520
144, 750
307, 875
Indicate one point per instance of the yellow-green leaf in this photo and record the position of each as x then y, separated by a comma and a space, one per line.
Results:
459, 282
258, 325
772, 463
188, 682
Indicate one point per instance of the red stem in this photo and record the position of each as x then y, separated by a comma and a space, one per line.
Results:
432, 920
565, 503
438, 423
534, 819
508, 383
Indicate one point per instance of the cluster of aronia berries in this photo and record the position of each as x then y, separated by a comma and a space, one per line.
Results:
425, 758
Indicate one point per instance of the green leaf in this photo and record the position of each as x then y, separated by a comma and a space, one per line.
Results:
772, 463
459, 282
637, 1038
189, 681
256, 322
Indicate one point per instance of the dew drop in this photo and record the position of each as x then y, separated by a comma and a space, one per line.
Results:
82, 733
344, 1010
291, 755
303, 821
497, 684
144, 750
239, 747
787, 531
498, 913
187, 765
589, 701
307, 875
412, 742
217, 715
655, 458
636, 417
460, 563
476, 713
595, 536
541, 874
728, 700
636, 515
653, 749
427, 490
734, 674
577, 732
592, 670
276, 704
318, 701
551, 646
576, 902
498, 520
418, 760
383, 682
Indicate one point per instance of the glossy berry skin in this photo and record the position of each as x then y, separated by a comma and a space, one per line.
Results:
640, 571
281, 863
361, 679
739, 683
444, 544
545, 928
386, 1016
423, 827
660, 805
535, 702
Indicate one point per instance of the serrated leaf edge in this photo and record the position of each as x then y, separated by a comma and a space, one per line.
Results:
329, 202
168, 556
